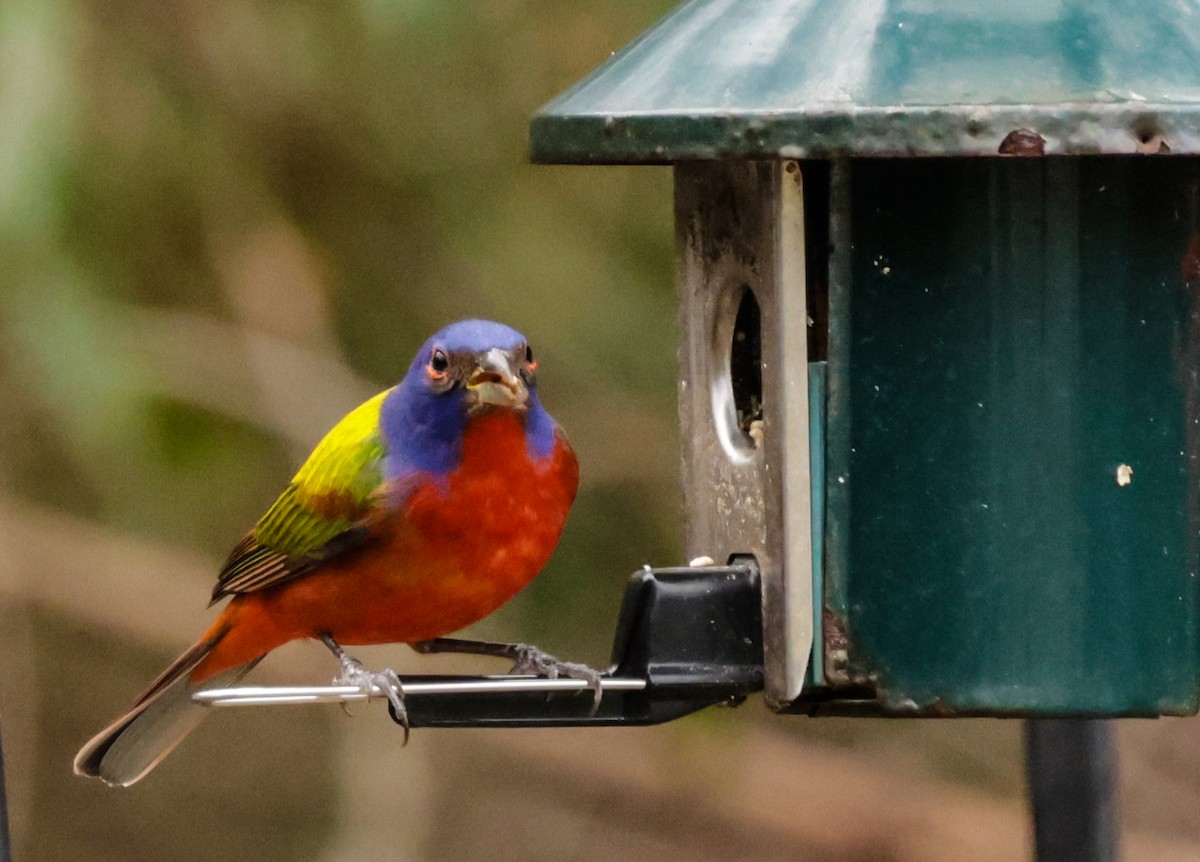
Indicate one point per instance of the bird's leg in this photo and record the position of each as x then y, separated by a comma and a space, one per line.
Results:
527, 659
353, 673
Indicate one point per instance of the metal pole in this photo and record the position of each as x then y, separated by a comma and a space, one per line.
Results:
5, 846
1072, 768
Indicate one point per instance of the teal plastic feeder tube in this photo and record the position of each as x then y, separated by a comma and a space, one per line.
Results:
972, 231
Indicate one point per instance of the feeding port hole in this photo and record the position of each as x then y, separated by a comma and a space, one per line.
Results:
738, 384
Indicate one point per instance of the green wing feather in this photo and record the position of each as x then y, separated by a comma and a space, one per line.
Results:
322, 513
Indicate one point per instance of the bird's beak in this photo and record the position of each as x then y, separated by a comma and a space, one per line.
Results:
494, 383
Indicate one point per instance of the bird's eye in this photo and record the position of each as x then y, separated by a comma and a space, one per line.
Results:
439, 364
528, 367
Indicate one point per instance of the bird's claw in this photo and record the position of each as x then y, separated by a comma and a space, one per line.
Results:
532, 660
353, 673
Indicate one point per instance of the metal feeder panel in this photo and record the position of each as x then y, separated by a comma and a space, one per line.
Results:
1011, 444
743, 410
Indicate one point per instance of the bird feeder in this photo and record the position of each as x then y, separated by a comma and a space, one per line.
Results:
939, 340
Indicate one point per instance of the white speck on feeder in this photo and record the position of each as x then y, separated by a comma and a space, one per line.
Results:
701, 562
1124, 475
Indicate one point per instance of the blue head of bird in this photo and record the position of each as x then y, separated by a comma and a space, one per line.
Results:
464, 371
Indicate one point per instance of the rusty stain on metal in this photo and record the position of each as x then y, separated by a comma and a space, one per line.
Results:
1152, 143
1190, 266
938, 708
1023, 142
837, 648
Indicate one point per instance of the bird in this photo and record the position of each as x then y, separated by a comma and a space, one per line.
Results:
423, 510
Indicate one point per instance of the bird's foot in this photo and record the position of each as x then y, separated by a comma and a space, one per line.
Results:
353, 673
528, 660
532, 660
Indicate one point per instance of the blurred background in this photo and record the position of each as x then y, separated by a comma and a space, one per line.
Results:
222, 225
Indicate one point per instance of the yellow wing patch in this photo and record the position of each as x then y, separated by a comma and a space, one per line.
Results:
320, 514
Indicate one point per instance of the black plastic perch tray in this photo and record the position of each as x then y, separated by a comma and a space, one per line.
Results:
686, 638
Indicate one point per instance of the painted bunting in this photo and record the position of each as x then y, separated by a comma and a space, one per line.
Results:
422, 511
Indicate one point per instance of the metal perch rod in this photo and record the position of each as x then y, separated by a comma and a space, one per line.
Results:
257, 695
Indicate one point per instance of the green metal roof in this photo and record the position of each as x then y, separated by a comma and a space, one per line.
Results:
800, 78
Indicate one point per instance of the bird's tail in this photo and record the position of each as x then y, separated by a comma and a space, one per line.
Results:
134, 744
